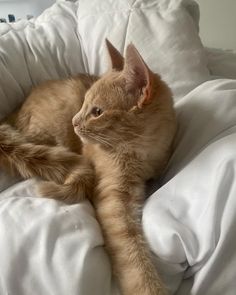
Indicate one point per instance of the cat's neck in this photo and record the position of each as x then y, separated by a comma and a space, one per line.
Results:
117, 161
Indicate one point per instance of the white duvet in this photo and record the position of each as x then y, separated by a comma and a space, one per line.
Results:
48, 248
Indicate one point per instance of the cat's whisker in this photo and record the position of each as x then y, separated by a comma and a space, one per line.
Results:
101, 139
97, 137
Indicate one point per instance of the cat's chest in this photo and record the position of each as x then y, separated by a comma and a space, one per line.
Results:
121, 163
104, 162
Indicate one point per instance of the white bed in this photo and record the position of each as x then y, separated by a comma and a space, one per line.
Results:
190, 219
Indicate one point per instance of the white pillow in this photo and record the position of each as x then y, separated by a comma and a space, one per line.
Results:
38, 50
164, 32
221, 63
50, 248
190, 221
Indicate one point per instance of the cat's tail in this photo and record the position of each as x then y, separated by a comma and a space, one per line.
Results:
33, 160
69, 177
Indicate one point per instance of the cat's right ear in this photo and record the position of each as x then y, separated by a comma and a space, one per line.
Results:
138, 76
116, 59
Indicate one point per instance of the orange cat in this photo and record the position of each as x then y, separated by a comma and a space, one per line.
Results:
127, 124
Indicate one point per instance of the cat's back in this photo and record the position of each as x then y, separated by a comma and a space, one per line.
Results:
45, 116
55, 95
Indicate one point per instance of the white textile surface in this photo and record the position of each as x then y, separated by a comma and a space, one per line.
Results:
50, 248
38, 50
164, 32
222, 63
69, 38
190, 221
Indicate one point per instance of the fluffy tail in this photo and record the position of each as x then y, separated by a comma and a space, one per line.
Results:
60, 167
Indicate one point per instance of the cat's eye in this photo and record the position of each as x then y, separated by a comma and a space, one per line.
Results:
96, 112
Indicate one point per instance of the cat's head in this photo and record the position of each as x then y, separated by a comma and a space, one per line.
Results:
116, 106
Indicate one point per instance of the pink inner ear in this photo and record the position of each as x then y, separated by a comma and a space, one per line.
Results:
146, 96
117, 60
137, 74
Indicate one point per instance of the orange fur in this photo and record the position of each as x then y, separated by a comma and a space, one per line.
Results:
38, 140
127, 123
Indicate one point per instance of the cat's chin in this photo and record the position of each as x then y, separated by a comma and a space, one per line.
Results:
83, 139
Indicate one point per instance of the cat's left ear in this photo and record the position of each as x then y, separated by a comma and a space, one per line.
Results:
137, 75
117, 60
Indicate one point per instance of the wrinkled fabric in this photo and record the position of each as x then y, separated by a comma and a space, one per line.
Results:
69, 38
165, 32
190, 222
50, 248
37, 50
221, 63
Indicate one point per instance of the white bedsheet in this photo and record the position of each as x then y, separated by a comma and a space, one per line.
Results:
190, 221
49, 248
222, 63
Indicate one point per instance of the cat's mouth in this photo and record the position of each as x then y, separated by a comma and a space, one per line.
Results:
80, 132
82, 137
